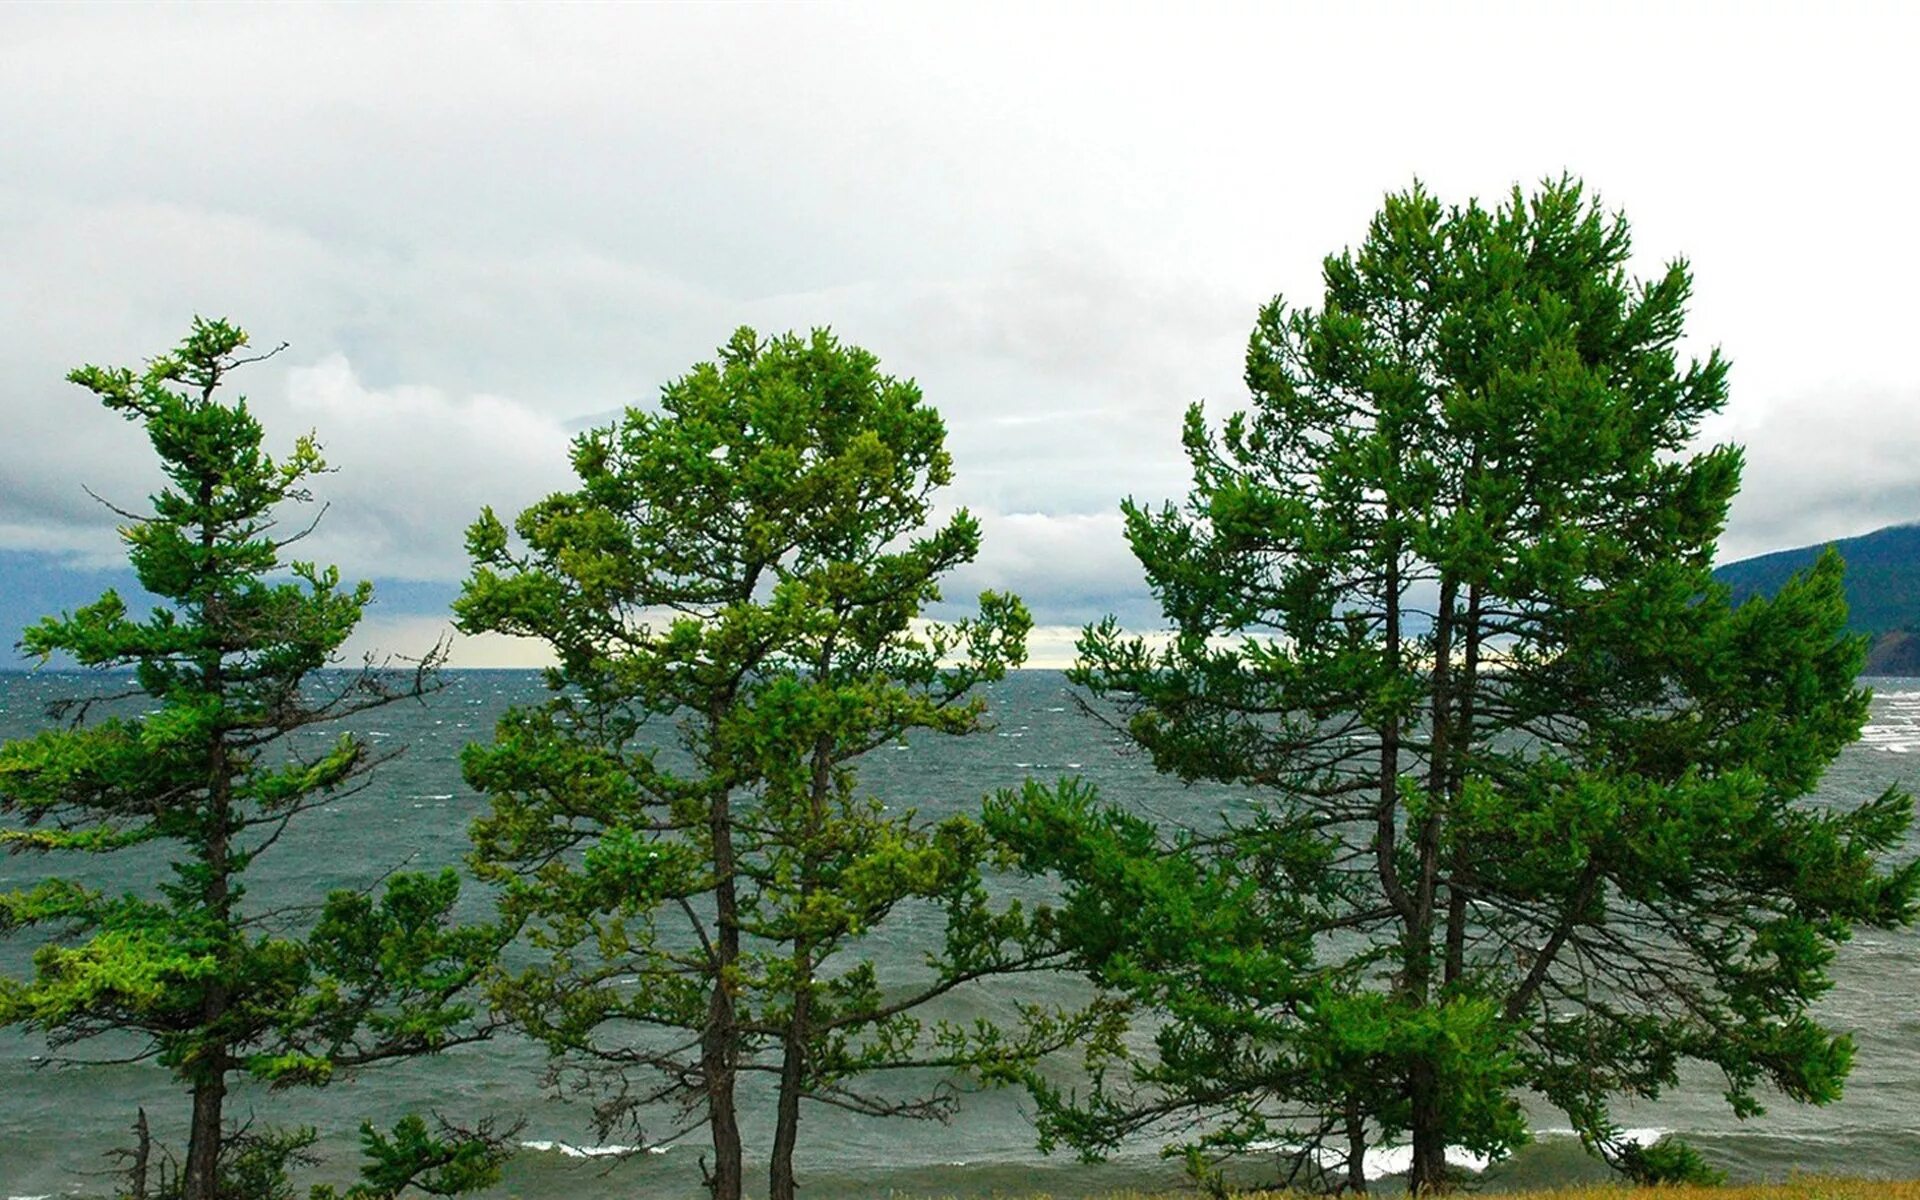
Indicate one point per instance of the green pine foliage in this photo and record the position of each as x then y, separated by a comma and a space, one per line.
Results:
1531, 793
206, 983
734, 595
413, 1159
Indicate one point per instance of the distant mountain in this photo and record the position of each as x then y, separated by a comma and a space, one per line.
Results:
39, 583
1883, 589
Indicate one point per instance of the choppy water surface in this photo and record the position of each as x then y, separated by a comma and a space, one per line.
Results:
56, 1124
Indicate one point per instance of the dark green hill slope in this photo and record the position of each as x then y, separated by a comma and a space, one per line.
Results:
1883, 589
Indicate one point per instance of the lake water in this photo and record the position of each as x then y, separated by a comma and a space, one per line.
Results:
57, 1124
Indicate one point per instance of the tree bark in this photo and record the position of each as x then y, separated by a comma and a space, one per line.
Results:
1457, 892
1429, 1173
1426, 1123
1356, 1150
781, 1184
793, 1061
142, 1156
1385, 834
1439, 780
212, 1060
203, 1137
720, 1040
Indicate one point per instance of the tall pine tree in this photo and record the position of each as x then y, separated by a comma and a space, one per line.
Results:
734, 595
207, 983
1531, 794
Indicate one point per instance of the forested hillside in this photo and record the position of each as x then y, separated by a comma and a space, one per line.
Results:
1883, 589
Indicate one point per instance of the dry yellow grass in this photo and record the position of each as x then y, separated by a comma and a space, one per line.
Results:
1805, 1188
1808, 1188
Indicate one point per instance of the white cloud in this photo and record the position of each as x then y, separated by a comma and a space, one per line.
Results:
1823, 466
400, 640
1076, 558
1059, 219
414, 466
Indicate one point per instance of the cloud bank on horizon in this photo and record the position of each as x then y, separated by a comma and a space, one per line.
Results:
484, 228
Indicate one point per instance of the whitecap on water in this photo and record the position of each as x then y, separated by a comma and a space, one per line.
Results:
1639, 1137
572, 1151
1892, 738
1896, 727
1380, 1161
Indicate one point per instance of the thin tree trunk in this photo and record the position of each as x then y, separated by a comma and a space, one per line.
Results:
142, 1155
1425, 1122
720, 1040
1457, 891
1385, 834
1356, 1150
211, 1061
793, 1062
781, 1184
1439, 779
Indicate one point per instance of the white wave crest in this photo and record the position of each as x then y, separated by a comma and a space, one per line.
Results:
1382, 1161
1894, 738
573, 1151
1639, 1137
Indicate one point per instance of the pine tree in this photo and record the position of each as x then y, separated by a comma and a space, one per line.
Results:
733, 594
212, 986
1531, 790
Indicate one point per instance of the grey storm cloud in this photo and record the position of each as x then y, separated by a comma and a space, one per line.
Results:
482, 228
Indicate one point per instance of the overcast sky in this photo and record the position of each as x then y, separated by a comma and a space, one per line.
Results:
482, 227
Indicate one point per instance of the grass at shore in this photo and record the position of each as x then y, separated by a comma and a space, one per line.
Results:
1805, 1188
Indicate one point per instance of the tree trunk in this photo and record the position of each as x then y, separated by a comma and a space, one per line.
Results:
717, 1056
203, 1138
720, 1040
1457, 889
211, 1061
781, 1184
793, 1061
1429, 1173
1419, 960
1425, 1121
142, 1156
1387, 810
1356, 1150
